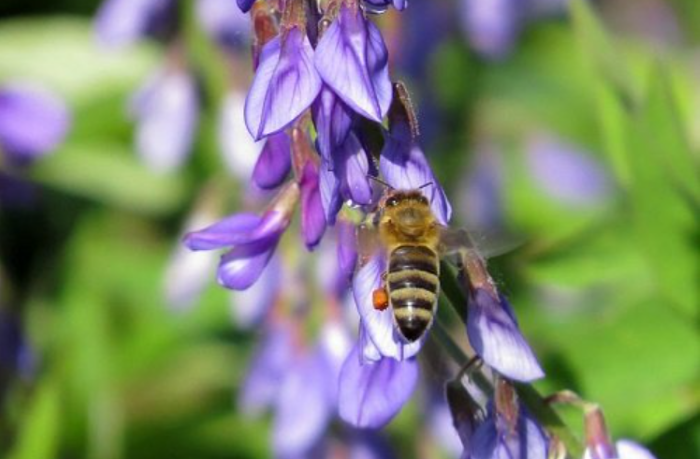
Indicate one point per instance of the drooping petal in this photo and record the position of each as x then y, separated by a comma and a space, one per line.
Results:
285, 84
303, 406
346, 251
404, 166
32, 123
371, 394
268, 367
333, 121
496, 338
274, 162
242, 266
224, 22
166, 110
379, 324
249, 307
239, 150
313, 219
352, 59
353, 167
329, 187
627, 449
122, 22
233, 230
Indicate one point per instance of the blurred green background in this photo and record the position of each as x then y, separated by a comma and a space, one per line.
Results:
606, 290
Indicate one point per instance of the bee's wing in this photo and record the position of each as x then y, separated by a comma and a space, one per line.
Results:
487, 243
367, 239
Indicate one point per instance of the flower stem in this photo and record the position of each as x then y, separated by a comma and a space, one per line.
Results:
538, 406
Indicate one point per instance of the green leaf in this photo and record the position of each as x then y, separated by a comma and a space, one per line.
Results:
110, 174
62, 53
39, 430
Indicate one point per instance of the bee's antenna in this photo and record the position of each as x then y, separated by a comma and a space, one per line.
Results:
425, 185
380, 181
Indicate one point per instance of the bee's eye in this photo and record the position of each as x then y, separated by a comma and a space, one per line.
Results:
391, 202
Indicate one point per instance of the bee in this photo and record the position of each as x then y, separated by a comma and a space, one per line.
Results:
414, 241
406, 228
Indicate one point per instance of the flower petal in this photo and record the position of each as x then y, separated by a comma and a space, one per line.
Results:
526, 441
496, 338
352, 59
627, 449
166, 110
379, 324
122, 22
242, 266
353, 167
233, 230
268, 367
224, 22
245, 5
329, 187
346, 251
32, 123
333, 121
313, 219
285, 84
492, 26
404, 166
249, 307
303, 407
274, 162
371, 394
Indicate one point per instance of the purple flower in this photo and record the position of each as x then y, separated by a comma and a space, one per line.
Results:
333, 121
285, 84
32, 123
224, 22
372, 393
347, 251
240, 151
497, 438
274, 163
254, 239
353, 61
122, 22
245, 5
166, 111
382, 339
494, 334
250, 307
566, 173
313, 219
481, 193
492, 26
404, 166
269, 366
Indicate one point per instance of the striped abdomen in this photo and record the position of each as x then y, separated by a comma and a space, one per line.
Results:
412, 283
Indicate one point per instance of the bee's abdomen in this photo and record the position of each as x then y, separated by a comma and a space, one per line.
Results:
413, 285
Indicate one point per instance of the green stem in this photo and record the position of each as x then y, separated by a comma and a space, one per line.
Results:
538, 407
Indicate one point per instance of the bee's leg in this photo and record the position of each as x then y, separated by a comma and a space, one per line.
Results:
380, 298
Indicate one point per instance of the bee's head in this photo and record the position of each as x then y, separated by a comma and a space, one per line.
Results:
408, 210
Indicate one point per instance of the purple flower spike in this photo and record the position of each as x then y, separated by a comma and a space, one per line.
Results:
353, 60
285, 84
304, 406
122, 22
32, 123
403, 166
313, 219
254, 239
274, 163
494, 439
166, 110
495, 336
371, 394
269, 365
379, 325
